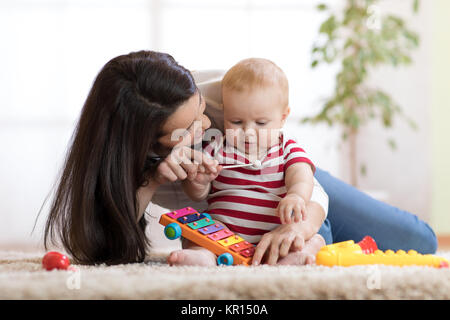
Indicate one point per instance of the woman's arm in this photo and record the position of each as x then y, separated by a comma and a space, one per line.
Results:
196, 191
145, 195
197, 188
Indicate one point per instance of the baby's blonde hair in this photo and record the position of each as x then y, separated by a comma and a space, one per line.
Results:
254, 73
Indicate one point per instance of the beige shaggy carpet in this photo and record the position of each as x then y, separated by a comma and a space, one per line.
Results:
22, 277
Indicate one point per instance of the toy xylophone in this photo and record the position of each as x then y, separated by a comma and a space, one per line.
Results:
201, 229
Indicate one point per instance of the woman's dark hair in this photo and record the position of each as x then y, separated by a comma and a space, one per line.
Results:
94, 211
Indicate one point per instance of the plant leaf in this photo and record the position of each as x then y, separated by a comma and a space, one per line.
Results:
322, 7
416, 4
329, 26
392, 144
363, 170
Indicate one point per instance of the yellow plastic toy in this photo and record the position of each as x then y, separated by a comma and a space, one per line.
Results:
349, 253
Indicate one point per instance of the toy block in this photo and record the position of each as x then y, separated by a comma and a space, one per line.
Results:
241, 246
249, 252
210, 229
181, 212
191, 218
200, 223
230, 240
220, 235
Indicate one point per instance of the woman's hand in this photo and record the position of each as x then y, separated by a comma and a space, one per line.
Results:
184, 163
292, 205
278, 243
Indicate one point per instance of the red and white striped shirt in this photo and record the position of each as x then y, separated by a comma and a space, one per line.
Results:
245, 199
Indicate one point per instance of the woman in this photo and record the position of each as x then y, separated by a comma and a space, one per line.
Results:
111, 173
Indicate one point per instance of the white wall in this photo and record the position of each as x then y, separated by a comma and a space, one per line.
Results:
50, 52
404, 174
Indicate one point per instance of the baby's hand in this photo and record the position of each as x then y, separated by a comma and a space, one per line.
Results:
290, 206
204, 176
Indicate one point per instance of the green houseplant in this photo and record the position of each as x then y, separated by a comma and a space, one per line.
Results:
360, 38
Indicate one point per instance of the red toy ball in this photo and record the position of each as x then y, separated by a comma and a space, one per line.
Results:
55, 260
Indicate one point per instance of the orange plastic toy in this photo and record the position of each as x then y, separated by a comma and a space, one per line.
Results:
202, 230
349, 253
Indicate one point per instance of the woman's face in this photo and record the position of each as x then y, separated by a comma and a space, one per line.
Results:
187, 125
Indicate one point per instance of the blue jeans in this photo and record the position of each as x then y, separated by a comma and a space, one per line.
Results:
353, 214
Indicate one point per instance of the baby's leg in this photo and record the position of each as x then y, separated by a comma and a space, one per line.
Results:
307, 255
191, 255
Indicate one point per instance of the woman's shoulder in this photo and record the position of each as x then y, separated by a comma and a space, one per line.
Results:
209, 84
202, 77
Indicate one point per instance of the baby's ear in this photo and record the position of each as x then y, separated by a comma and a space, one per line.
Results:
286, 113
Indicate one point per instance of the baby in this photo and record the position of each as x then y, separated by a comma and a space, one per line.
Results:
275, 183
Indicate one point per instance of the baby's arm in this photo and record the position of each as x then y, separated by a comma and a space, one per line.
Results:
299, 181
196, 191
198, 188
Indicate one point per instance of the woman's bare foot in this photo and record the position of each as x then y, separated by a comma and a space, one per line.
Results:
305, 256
192, 257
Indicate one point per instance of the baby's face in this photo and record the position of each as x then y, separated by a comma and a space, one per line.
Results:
253, 118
